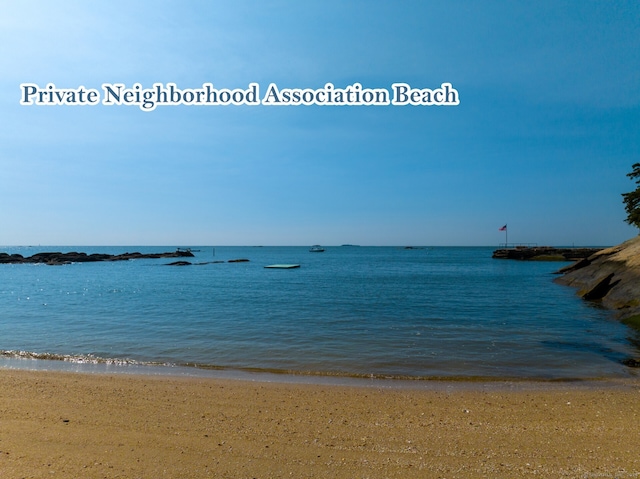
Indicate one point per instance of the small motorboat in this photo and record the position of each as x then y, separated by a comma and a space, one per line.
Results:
316, 248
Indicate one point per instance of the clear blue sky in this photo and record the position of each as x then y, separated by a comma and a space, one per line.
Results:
547, 127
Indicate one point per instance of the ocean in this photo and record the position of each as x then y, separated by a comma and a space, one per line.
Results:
351, 311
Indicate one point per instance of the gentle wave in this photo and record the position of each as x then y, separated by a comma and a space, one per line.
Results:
79, 359
143, 367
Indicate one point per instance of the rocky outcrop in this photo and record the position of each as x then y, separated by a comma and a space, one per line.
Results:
544, 253
58, 258
187, 263
610, 277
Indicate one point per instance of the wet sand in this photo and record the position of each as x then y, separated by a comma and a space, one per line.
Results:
71, 425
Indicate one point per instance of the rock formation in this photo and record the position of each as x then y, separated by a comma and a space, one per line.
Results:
610, 277
74, 257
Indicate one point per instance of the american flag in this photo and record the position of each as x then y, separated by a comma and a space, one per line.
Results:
504, 228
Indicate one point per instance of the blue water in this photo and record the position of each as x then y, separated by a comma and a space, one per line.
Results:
361, 311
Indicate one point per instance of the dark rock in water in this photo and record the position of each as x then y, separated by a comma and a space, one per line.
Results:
57, 258
631, 363
242, 260
8, 259
179, 263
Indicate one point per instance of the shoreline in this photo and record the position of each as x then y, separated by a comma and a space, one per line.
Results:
65, 364
69, 425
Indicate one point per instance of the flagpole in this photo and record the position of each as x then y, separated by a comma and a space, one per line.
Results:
506, 235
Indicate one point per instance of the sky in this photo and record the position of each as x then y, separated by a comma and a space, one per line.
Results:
547, 127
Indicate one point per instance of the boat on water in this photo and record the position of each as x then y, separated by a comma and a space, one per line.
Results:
316, 248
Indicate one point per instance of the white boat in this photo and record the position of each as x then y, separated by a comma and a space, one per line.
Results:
316, 248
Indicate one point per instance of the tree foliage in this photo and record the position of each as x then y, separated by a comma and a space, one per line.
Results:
631, 200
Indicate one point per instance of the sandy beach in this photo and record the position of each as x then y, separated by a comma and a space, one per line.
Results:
71, 425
